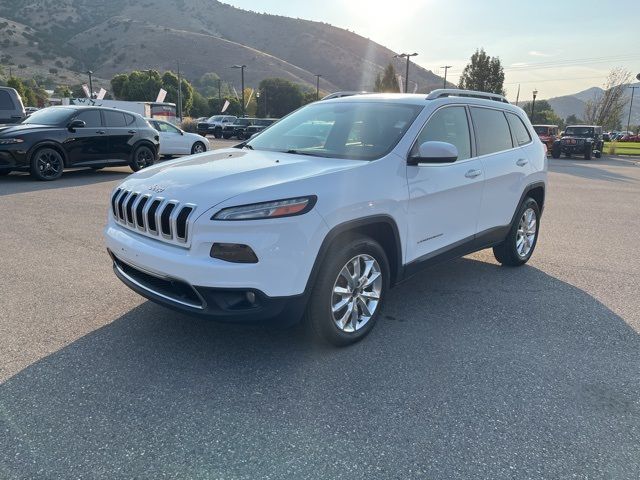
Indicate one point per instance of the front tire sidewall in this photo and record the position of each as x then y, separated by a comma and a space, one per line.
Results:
195, 145
319, 315
35, 170
506, 253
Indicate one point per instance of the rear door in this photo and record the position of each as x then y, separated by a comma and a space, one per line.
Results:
444, 198
121, 129
88, 145
505, 164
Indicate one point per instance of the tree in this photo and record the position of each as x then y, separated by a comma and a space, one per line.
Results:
62, 91
573, 120
280, 96
543, 114
170, 84
200, 106
387, 81
483, 73
606, 109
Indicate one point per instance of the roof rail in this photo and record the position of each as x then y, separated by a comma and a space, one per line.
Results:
455, 92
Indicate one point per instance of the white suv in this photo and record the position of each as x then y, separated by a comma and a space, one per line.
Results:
331, 206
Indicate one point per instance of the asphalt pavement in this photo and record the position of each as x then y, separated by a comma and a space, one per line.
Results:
475, 370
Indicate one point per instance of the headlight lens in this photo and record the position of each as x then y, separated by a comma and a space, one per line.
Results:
278, 208
10, 141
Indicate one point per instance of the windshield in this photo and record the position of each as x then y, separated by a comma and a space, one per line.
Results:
541, 130
579, 132
353, 130
50, 116
215, 118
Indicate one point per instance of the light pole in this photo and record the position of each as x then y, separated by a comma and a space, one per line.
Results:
406, 76
241, 67
446, 67
533, 105
89, 72
317, 86
633, 91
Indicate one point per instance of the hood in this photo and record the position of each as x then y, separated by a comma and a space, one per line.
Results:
10, 130
213, 177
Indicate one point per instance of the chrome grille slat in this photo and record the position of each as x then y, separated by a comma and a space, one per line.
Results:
139, 211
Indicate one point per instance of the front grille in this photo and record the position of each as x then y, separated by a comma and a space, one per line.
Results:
156, 217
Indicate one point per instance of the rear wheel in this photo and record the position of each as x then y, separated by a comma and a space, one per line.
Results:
217, 133
142, 158
587, 152
198, 147
556, 151
522, 238
348, 294
47, 164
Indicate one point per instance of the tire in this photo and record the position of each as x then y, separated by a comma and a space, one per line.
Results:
598, 154
373, 266
509, 252
47, 164
556, 151
568, 155
226, 136
217, 133
198, 147
142, 157
588, 152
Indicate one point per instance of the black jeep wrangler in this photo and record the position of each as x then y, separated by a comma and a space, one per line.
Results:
237, 128
579, 139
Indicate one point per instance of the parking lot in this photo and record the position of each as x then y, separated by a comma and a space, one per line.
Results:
475, 371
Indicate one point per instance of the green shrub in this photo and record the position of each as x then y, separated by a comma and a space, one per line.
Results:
189, 124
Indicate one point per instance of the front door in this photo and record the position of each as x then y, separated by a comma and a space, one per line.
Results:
172, 141
89, 144
444, 198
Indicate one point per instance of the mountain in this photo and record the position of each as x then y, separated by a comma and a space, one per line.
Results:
575, 104
204, 35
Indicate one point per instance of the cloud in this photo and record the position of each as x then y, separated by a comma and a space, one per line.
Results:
535, 53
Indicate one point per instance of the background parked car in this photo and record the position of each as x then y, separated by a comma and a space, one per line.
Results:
258, 125
630, 138
213, 125
11, 108
174, 141
237, 128
548, 134
58, 137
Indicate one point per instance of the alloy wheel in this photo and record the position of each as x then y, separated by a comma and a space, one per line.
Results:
144, 157
526, 235
198, 148
356, 293
49, 164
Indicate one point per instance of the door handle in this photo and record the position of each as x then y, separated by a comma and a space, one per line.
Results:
100, 132
132, 131
473, 173
522, 162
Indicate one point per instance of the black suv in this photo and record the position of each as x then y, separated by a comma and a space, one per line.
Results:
237, 128
258, 125
579, 139
58, 137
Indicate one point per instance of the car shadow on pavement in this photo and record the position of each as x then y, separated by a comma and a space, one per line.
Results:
18, 182
590, 169
475, 371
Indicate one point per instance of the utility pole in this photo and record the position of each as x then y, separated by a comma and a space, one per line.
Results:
446, 67
220, 92
241, 67
533, 105
406, 76
317, 86
518, 95
179, 93
633, 91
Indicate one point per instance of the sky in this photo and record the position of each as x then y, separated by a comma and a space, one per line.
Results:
555, 47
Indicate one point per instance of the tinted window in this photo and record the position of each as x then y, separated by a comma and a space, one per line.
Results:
50, 116
6, 103
129, 119
447, 125
518, 129
90, 117
492, 130
114, 119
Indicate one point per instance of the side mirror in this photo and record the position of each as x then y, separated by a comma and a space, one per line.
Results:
434, 152
76, 124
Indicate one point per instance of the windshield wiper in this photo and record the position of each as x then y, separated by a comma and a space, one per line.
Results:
302, 152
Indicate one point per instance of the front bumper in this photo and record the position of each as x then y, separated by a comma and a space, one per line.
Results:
13, 156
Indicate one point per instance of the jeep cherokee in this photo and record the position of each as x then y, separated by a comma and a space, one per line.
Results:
327, 209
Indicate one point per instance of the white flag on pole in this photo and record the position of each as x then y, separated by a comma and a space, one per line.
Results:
101, 94
162, 94
225, 106
85, 89
400, 84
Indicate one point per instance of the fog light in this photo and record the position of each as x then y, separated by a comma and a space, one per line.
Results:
233, 252
251, 297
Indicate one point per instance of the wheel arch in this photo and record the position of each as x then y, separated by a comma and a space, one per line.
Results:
536, 191
146, 143
381, 228
48, 144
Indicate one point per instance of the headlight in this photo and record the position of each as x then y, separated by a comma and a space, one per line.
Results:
10, 141
278, 208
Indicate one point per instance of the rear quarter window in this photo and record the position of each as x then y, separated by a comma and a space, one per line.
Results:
491, 129
519, 130
6, 102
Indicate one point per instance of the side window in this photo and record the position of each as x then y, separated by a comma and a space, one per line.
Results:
5, 101
449, 125
129, 119
114, 118
492, 130
91, 118
518, 129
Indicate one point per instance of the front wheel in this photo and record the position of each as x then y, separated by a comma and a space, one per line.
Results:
142, 158
348, 294
47, 164
198, 147
522, 238
556, 151
587, 152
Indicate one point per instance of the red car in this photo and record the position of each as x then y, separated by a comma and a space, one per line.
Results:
547, 134
630, 138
